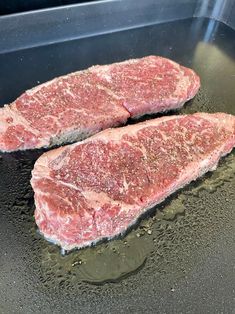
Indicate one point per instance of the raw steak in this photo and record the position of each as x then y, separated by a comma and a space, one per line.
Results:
75, 106
99, 187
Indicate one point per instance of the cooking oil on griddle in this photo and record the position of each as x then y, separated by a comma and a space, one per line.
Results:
103, 263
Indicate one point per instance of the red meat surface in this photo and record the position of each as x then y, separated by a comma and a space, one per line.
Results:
78, 105
97, 188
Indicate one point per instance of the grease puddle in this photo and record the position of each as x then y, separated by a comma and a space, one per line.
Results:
106, 262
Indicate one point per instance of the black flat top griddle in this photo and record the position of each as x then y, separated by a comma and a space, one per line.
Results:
180, 258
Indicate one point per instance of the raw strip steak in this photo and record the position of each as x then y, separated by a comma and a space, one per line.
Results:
75, 106
99, 187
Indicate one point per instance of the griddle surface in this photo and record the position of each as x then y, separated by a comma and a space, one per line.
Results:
190, 267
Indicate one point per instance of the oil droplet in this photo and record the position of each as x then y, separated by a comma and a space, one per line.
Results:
170, 211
